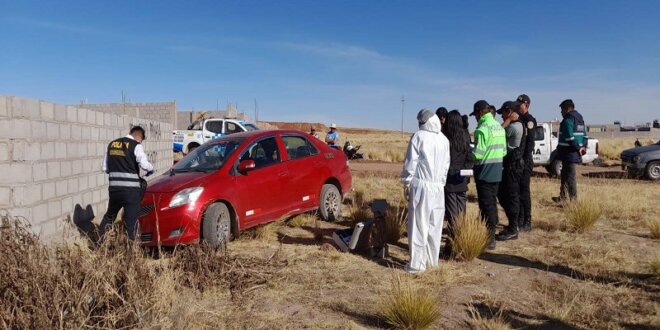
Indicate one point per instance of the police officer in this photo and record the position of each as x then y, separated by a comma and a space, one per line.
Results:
488, 153
509, 189
570, 148
122, 162
529, 122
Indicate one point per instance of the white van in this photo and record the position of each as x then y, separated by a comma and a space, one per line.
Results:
545, 148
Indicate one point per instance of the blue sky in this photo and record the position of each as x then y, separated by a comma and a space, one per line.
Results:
338, 61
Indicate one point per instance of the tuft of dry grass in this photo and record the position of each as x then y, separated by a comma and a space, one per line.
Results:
265, 232
470, 237
395, 222
302, 220
582, 214
358, 197
480, 322
359, 214
409, 306
654, 228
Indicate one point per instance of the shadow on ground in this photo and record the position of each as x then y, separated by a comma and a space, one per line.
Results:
646, 282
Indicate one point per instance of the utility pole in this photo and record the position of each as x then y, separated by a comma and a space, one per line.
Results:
256, 111
123, 101
403, 101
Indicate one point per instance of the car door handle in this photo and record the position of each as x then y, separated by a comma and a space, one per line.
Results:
283, 173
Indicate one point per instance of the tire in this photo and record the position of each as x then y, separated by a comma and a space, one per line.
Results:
555, 168
216, 225
330, 204
652, 171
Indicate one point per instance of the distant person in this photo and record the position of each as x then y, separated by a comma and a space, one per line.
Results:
332, 138
466, 122
460, 158
529, 122
572, 145
488, 153
513, 167
312, 132
424, 176
122, 162
637, 143
442, 114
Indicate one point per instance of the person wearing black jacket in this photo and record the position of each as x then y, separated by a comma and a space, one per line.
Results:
460, 158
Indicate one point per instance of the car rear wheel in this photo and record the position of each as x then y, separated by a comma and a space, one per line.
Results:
653, 170
216, 225
330, 206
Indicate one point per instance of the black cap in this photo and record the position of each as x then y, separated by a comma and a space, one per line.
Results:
567, 104
478, 106
523, 98
509, 105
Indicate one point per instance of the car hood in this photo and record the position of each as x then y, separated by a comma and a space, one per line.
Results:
176, 182
636, 151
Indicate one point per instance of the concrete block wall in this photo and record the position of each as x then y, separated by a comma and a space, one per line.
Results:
51, 155
164, 112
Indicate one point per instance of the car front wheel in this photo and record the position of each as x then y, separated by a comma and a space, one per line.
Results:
653, 170
330, 206
216, 225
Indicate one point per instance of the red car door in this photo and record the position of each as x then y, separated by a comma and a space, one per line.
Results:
303, 162
259, 196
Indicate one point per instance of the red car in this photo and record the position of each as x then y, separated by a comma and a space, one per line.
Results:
242, 180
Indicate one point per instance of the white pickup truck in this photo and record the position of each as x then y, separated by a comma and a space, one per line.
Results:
545, 148
202, 131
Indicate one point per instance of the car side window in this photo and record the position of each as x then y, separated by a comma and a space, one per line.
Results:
214, 126
298, 147
263, 153
539, 133
231, 128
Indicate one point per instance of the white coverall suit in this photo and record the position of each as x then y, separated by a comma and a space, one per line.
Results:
425, 173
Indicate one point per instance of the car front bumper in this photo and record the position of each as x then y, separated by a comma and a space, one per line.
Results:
164, 226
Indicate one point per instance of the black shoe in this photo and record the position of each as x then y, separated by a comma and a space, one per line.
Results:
507, 235
526, 227
491, 244
557, 199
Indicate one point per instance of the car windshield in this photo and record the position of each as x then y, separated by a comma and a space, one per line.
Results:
250, 127
207, 158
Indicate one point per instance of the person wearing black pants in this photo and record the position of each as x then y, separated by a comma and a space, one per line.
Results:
122, 162
529, 123
488, 153
460, 158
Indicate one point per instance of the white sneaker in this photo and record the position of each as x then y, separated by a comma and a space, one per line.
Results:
412, 271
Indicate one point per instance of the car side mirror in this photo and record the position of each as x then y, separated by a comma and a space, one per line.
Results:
246, 165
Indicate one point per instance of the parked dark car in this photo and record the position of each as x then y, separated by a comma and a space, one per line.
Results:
642, 161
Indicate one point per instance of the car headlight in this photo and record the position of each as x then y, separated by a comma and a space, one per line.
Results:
636, 159
186, 196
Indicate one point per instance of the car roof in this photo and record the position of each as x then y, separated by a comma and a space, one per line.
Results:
256, 134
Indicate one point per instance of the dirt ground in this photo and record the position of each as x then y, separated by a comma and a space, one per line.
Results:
547, 279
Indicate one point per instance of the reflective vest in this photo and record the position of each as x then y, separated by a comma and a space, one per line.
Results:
489, 149
572, 137
121, 165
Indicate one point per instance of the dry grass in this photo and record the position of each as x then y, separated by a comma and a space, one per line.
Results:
480, 322
654, 228
388, 147
395, 222
409, 306
470, 238
302, 220
582, 214
116, 285
611, 148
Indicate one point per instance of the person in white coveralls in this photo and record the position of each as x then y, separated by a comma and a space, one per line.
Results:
424, 175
